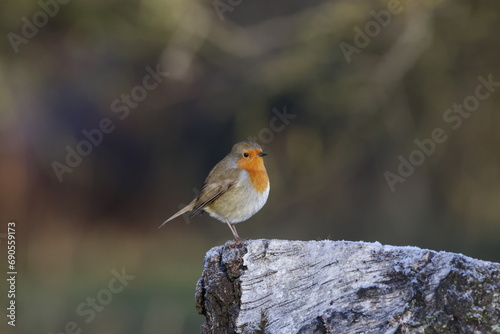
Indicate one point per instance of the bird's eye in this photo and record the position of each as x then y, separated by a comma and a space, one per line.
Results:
246, 155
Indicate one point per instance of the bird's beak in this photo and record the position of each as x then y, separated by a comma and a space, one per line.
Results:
262, 154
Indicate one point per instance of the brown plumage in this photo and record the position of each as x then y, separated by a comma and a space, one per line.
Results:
235, 189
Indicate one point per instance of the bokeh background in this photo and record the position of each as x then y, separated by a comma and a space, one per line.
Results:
231, 71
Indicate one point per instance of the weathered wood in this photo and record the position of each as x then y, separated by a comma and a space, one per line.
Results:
280, 286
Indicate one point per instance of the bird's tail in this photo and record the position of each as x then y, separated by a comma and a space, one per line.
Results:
187, 208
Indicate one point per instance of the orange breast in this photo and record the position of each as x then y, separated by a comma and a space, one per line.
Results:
259, 180
257, 171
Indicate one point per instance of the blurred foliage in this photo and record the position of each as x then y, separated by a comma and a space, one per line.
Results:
227, 80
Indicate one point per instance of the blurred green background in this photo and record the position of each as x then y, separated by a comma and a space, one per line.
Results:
232, 67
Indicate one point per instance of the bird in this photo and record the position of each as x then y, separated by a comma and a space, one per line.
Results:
235, 189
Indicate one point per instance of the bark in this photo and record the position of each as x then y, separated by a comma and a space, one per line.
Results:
281, 286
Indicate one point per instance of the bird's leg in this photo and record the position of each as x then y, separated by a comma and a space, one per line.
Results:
233, 229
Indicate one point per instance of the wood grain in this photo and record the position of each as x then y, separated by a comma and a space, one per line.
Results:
281, 286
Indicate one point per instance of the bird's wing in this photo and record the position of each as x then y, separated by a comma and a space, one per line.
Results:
212, 190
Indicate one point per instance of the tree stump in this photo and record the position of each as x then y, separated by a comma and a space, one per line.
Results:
282, 286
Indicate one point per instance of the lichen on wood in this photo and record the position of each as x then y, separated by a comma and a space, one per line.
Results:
281, 286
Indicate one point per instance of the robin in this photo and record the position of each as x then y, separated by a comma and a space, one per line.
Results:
235, 189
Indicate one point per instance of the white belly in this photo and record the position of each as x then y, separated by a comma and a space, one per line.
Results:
237, 206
